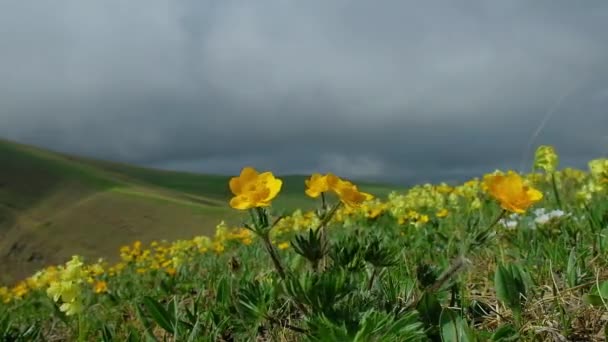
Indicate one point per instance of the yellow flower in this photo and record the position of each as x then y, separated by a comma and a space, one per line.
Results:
546, 159
253, 189
444, 188
316, 185
423, 219
442, 213
218, 248
5, 295
72, 308
283, 245
511, 192
599, 169
348, 192
100, 287
20, 290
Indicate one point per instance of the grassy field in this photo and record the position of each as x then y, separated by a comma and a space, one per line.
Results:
507, 257
54, 205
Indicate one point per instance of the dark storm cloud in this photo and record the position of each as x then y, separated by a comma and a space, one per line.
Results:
393, 90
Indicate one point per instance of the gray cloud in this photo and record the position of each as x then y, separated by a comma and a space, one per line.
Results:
392, 91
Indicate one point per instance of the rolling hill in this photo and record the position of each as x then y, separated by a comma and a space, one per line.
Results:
54, 205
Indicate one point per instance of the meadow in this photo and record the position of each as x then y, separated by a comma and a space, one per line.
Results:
502, 257
54, 205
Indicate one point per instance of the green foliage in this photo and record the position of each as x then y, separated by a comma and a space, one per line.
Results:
371, 326
312, 247
511, 284
348, 254
454, 327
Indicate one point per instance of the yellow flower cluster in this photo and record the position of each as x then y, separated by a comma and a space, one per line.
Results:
373, 209
599, 170
68, 288
296, 222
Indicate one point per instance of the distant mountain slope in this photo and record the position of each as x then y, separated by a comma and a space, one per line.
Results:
53, 206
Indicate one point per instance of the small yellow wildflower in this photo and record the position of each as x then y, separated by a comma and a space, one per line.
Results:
283, 245
20, 290
442, 213
100, 287
5, 295
423, 219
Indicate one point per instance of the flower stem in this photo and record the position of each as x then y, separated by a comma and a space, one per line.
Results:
554, 184
274, 256
329, 215
81, 329
323, 202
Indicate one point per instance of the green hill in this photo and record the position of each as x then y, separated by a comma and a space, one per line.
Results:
53, 206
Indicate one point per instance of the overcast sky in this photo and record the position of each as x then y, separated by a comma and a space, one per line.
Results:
386, 90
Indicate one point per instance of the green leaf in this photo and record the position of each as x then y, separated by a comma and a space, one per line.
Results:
159, 314
603, 290
382, 326
322, 329
429, 309
454, 328
593, 300
598, 296
571, 269
106, 334
60, 314
195, 332
505, 333
5, 324
223, 292
507, 289
145, 322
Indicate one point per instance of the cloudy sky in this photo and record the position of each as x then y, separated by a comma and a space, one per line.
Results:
386, 90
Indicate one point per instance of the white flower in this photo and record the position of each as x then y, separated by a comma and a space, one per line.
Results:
510, 224
557, 213
542, 219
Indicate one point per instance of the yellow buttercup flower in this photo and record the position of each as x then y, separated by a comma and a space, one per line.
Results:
100, 287
511, 192
253, 189
348, 192
283, 245
316, 185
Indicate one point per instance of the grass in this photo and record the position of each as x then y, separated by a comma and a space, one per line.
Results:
392, 270
53, 205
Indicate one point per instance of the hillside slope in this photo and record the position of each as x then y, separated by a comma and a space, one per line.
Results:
53, 206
